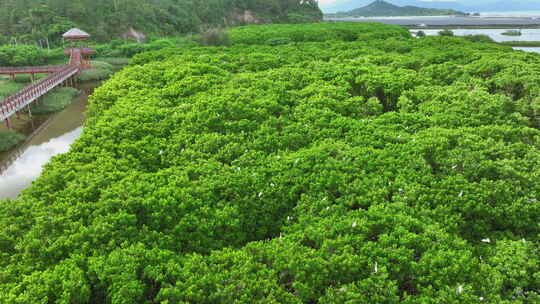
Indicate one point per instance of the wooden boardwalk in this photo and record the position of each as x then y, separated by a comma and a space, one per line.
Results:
59, 74
32, 70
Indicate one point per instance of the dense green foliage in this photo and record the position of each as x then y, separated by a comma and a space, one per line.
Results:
44, 21
375, 171
381, 8
120, 48
316, 32
28, 55
54, 101
22, 55
9, 139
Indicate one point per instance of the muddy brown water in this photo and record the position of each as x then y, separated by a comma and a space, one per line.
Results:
48, 136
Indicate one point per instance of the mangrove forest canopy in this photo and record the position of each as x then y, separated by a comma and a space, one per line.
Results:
315, 163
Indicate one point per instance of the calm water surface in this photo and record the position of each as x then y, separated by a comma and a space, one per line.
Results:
29, 165
529, 20
495, 34
528, 49
60, 132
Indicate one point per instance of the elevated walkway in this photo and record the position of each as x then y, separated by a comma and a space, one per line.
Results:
32, 70
58, 75
17, 102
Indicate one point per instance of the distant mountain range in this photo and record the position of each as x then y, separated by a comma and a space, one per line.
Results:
381, 8
460, 5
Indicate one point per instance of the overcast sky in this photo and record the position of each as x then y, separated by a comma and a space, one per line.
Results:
327, 2
483, 4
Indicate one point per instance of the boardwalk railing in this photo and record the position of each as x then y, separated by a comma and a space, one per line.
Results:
31, 70
23, 98
15, 103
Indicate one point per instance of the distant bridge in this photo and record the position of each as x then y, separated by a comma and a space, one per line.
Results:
59, 75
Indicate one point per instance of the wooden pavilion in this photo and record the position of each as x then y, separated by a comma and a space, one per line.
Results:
77, 36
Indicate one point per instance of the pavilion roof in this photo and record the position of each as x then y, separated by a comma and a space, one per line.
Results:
76, 33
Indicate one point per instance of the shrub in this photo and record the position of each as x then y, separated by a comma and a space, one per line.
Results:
447, 33
278, 41
512, 33
296, 18
21, 55
479, 38
99, 70
10, 139
215, 37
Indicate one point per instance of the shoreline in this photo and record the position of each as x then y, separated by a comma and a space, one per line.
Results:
473, 27
445, 21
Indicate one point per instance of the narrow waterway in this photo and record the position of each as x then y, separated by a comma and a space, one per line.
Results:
495, 34
54, 137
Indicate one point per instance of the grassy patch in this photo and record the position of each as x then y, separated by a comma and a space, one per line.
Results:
114, 60
9, 87
9, 139
58, 61
99, 71
55, 101
26, 78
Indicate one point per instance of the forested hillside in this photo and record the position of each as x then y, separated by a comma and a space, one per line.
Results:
387, 169
37, 21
